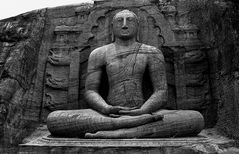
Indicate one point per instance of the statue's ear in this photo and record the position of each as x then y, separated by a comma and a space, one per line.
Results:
137, 37
112, 33
138, 31
112, 37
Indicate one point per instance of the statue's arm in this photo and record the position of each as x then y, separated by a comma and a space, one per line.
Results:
157, 72
94, 71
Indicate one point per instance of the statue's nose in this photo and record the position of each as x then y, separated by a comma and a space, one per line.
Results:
125, 25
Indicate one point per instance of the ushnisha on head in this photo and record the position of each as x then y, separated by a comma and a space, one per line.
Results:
125, 25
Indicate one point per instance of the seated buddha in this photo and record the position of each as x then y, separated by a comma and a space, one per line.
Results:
125, 113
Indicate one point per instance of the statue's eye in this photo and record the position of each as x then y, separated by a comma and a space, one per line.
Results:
120, 19
130, 19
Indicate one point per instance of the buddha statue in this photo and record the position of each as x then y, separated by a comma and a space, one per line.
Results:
125, 113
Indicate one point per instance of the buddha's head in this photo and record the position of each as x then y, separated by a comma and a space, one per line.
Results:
125, 25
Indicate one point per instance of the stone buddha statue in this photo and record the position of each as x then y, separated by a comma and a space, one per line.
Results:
125, 113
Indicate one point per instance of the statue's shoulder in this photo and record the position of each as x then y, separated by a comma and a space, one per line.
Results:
99, 53
152, 52
150, 49
102, 49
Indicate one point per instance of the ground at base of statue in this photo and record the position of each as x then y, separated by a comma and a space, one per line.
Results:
208, 142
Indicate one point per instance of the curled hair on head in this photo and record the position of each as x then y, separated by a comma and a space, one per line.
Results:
127, 11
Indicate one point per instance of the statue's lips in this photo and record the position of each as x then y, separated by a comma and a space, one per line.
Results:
125, 32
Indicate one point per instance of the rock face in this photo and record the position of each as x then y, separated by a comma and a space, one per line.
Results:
43, 59
218, 24
20, 42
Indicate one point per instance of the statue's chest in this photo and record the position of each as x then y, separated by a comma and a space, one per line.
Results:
126, 63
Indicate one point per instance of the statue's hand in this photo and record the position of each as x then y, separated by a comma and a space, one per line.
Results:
114, 111
137, 112
133, 112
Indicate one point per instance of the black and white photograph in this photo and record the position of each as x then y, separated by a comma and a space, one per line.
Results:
119, 77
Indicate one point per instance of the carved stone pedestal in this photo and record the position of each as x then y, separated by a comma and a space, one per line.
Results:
44, 143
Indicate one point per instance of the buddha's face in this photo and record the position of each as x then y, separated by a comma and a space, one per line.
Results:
125, 25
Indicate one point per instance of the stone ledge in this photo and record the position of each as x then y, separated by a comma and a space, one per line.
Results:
41, 142
162, 142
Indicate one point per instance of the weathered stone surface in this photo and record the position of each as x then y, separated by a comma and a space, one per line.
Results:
20, 42
41, 142
126, 61
164, 123
159, 146
219, 30
207, 75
